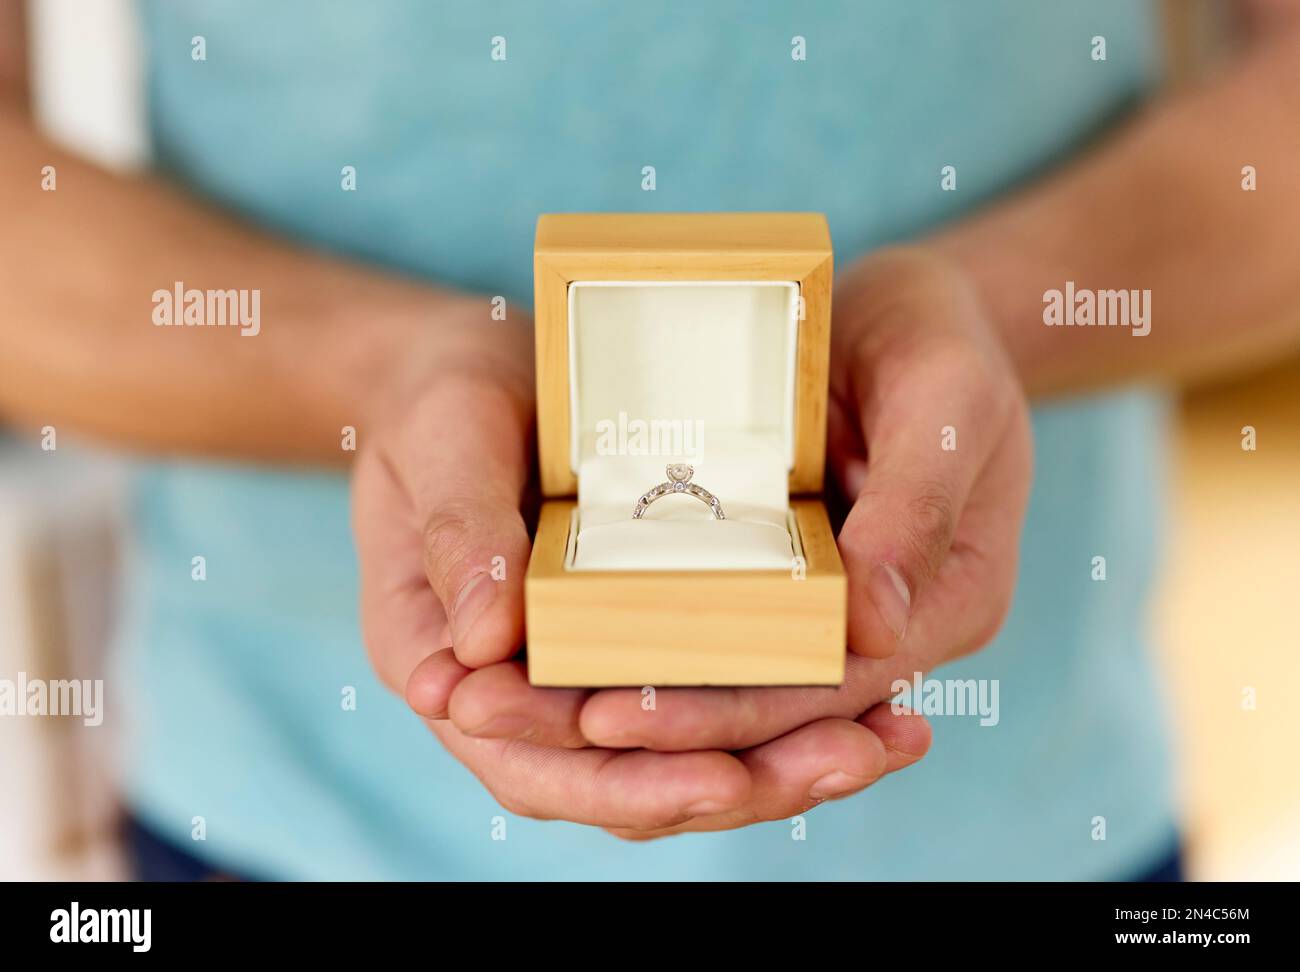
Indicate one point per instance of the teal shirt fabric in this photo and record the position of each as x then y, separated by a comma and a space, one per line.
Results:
235, 683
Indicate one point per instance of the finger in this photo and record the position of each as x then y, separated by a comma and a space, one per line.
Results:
402, 623
825, 760
905, 735
636, 790
497, 702
973, 593
429, 689
726, 718
466, 488
927, 445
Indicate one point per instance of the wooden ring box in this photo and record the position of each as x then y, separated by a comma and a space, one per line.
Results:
707, 334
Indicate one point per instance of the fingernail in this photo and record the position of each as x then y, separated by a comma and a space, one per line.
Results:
503, 727
836, 784
706, 807
891, 597
472, 600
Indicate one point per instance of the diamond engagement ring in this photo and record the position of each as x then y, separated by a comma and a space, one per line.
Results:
679, 481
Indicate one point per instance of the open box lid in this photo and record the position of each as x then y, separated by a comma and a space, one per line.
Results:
719, 295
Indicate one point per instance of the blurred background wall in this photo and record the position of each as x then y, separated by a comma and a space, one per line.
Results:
1229, 624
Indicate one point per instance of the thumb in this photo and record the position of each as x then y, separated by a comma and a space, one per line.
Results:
467, 484
475, 554
910, 495
933, 394
894, 542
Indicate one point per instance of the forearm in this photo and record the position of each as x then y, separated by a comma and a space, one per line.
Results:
1160, 207
80, 349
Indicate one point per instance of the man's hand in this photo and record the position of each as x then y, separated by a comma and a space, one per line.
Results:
437, 498
930, 435
443, 547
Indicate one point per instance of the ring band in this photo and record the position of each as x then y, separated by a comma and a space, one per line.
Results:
679, 481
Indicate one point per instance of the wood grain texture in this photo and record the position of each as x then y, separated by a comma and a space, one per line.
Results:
551, 343
717, 233
633, 628
680, 246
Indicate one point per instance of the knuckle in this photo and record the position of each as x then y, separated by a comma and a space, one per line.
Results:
447, 546
929, 524
856, 534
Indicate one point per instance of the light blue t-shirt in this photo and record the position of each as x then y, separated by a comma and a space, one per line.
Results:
236, 682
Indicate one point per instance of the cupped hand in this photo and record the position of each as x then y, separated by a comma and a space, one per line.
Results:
442, 542
929, 437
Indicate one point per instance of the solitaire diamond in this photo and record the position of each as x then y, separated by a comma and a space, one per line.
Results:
680, 472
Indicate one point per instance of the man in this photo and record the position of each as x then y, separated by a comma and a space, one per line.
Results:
455, 149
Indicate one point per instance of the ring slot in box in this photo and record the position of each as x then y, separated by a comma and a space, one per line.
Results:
695, 338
